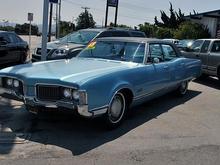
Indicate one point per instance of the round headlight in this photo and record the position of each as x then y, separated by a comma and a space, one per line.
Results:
67, 93
16, 83
76, 95
9, 82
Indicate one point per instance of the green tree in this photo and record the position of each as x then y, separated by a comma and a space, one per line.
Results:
24, 29
173, 21
85, 20
7, 28
149, 29
190, 30
164, 32
66, 28
119, 25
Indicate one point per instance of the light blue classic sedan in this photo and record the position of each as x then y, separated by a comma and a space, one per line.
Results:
108, 77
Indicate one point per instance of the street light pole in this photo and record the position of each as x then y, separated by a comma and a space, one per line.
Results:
59, 18
116, 14
44, 30
50, 22
106, 15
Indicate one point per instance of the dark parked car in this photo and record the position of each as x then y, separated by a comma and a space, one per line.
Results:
12, 48
70, 45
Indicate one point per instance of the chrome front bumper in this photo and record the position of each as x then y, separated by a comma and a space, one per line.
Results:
83, 110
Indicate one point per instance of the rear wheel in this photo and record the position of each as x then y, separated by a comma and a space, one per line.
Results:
116, 111
182, 89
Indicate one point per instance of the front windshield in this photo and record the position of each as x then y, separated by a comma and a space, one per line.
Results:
80, 37
185, 43
197, 45
120, 51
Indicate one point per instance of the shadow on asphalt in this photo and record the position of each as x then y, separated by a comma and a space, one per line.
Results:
80, 135
209, 81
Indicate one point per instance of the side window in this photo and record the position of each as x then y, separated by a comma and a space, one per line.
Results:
18, 38
216, 47
137, 34
105, 34
5, 38
205, 47
12, 38
155, 52
169, 52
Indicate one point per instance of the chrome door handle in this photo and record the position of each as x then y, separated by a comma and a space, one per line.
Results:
166, 67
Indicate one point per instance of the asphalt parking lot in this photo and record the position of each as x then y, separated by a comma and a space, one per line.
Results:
167, 130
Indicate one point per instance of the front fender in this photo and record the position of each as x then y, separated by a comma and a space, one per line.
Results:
100, 93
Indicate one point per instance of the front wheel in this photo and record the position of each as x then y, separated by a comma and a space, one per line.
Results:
116, 111
182, 89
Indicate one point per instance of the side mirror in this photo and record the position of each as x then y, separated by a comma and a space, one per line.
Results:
156, 60
3, 43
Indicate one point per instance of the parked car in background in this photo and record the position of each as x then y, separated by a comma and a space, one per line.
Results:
70, 45
108, 76
13, 50
208, 51
183, 45
174, 41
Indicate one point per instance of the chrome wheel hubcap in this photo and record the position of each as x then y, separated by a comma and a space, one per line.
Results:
117, 108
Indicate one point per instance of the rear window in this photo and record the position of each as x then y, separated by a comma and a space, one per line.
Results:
137, 34
113, 34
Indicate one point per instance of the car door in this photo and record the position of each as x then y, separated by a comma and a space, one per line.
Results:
176, 64
15, 48
214, 58
162, 76
203, 55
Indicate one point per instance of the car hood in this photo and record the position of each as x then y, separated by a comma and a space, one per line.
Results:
76, 70
58, 45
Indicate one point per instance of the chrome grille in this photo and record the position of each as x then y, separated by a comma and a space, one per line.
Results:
48, 93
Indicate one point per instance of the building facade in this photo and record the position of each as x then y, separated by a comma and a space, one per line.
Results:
210, 19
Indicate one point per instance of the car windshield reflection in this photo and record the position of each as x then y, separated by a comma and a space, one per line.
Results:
80, 37
120, 51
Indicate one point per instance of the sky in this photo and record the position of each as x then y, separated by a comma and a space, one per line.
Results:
131, 12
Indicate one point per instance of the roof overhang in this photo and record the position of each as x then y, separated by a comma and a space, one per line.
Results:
210, 14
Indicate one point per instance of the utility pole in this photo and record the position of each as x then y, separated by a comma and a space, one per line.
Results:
106, 15
59, 18
44, 31
50, 22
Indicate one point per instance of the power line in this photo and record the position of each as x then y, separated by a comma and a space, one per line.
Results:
101, 10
